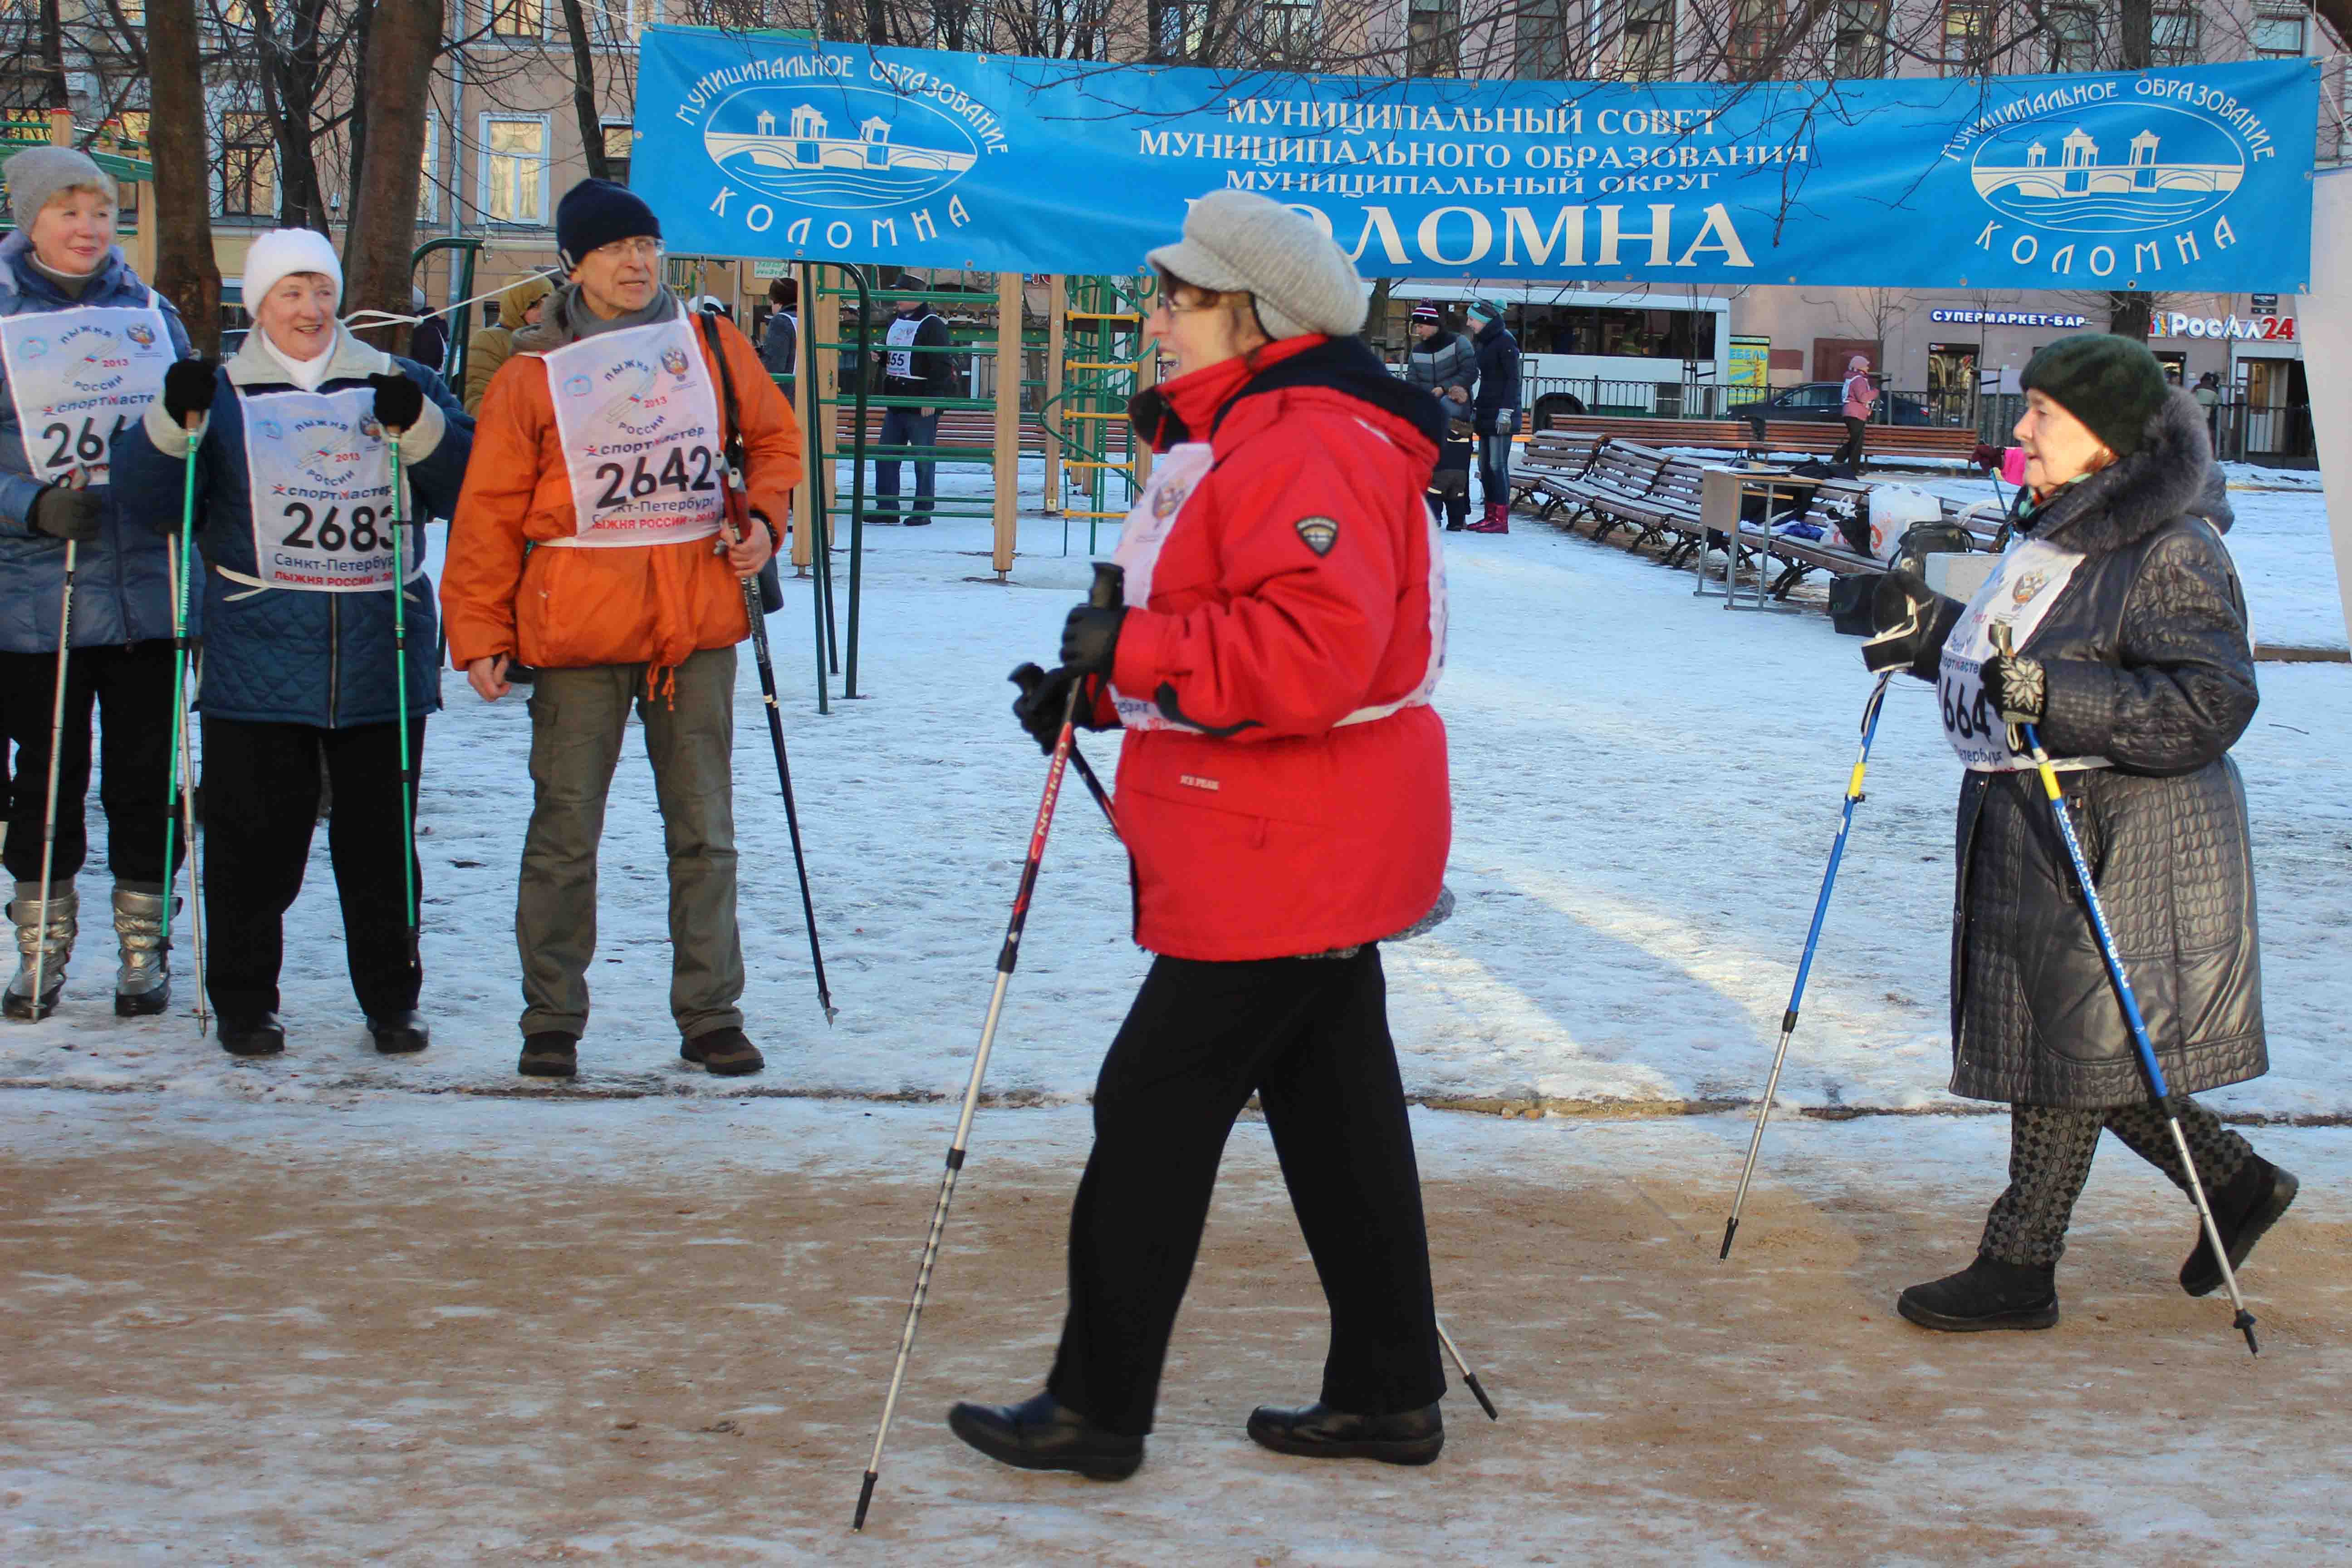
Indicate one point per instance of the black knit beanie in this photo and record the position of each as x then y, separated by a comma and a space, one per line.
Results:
2114, 385
595, 212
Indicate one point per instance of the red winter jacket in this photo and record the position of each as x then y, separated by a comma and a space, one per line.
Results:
1294, 588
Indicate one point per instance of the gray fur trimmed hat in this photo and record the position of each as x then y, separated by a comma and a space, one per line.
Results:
38, 173
1238, 242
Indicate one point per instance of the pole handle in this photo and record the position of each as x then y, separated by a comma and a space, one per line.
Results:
1110, 589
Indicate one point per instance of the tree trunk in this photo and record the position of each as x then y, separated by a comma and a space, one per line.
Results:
2131, 311
53, 60
185, 273
396, 80
583, 92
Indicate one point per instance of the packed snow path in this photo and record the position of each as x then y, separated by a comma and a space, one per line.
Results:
1645, 786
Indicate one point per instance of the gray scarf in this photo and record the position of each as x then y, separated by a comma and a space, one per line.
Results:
568, 319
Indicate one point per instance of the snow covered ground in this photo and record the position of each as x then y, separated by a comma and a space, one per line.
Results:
1646, 787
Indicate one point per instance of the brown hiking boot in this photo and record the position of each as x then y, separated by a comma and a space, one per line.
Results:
724, 1053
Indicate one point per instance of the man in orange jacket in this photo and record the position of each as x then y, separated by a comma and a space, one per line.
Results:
589, 547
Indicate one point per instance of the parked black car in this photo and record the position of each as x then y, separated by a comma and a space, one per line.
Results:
1822, 401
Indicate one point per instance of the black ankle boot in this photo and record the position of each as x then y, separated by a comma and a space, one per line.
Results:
397, 1034
2242, 1211
1319, 1432
1046, 1435
260, 1035
1987, 1294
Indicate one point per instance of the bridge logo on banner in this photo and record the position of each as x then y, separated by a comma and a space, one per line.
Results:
792, 149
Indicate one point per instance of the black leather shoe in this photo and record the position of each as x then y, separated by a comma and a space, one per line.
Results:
1045, 1435
725, 1053
259, 1035
1319, 1432
550, 1053
397, 1034
2242, 1211
1987, 1294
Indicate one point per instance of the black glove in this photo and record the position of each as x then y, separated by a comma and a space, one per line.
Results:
187, 389
1902, 619
63, 513
1090, 640
398, 400
2016, 686
1044, 693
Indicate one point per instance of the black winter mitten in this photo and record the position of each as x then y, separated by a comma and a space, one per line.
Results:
1090, 640
63, 513
2016, 686
1902, 619
398, 400
1044, 693
187, 389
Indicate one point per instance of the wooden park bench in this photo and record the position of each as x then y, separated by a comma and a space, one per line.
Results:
1780, 436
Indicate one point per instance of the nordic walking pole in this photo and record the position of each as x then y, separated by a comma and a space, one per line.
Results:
1106, 593
1029, 683
1469, 1378
50, 818
1854, 797
182, 559
411, 916
736, 516
2244, 1320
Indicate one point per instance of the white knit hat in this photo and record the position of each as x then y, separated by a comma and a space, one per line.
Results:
1241, 242
285, 251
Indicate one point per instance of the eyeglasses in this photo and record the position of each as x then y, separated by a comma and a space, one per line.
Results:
1168, 303
642, 248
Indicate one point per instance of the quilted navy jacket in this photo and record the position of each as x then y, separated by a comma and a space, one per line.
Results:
2145, 663
282, 655
121, 588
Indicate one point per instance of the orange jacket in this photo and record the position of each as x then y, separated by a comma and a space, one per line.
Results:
559, 609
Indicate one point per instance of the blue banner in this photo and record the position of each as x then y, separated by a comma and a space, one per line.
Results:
2196, 179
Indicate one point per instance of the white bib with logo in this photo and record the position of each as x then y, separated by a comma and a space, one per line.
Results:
78, 378
319, 482
638, 422
901, 358
2018, 595
1175, 477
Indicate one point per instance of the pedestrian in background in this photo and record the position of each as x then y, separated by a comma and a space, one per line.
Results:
1497, 413
519, 304
2129, 652
1860, 397
915, 367
1440, 359
612, 582
779, 342
68, 300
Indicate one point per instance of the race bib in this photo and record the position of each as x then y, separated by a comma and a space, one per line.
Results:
321, 488
78, 378
2029, 580
901, 358
638, 422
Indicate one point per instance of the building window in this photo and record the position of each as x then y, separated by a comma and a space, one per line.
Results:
2074, 39
1290, 31
620, 141
249, 164
428, 183
2173, 38
1649, 50
1433, 38
519, 18
1541, 41
613, 23
1861, 38
2278, 33
1968, 34
1755, 28
514, 171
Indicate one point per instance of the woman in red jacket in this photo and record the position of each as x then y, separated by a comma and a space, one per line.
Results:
1282, 791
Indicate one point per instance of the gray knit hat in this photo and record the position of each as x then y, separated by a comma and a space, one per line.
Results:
1241, 242
38, 173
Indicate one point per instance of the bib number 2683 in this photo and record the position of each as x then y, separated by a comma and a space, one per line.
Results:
332, 530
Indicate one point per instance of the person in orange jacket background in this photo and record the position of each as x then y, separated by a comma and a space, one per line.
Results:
588, 547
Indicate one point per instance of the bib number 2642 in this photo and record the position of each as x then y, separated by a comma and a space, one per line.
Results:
625, 485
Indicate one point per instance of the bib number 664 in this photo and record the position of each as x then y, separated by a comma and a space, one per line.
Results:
1962, 717
333, 531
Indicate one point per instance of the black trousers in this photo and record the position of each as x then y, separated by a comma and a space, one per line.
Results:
261, 801
1310, 1037
130, 687
2050, 1159
1850, 450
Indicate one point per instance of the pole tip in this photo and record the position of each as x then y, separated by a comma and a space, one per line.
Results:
864, 1498
1479, 1392
2244, 1324
1730, 1228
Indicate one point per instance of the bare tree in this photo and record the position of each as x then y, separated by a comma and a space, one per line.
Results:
186, 272
583, 92
403, 39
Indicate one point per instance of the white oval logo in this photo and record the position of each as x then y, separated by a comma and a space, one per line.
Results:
837, 146
2112, 169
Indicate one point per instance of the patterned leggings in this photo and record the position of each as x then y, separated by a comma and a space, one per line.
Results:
2050, 1159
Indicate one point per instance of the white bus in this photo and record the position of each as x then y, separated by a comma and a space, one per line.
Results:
1602, 350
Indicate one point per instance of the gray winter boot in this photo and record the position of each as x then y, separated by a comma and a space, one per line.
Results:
32, 939
142, 986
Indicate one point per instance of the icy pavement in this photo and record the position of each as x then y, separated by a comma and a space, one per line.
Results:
390, 1328
1645, 786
